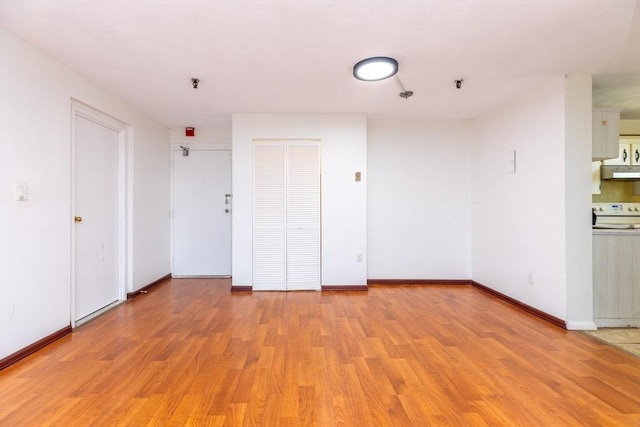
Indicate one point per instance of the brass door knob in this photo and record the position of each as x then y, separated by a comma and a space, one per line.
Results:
78, 219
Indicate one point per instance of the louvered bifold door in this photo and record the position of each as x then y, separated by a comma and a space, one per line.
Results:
269, 218
286, 216
303, 217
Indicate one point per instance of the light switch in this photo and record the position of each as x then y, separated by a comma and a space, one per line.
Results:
510, 164
21, 192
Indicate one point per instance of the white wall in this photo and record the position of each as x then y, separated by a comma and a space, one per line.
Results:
344, 201
579, 259
218, 137
418, 202
630, 127
150, 198
35, 141
518, 219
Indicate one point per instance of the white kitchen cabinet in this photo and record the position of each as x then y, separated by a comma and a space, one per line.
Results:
605, 133
628, 153
634, 151
616, 278
596, 187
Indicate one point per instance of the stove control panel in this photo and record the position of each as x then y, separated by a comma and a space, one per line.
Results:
616, 209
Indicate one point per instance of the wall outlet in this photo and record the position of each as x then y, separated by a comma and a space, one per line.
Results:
530, 278
359, 257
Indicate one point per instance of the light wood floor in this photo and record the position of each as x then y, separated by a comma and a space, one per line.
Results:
192, 353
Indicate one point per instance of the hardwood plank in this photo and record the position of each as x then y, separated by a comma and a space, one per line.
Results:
374, 282
145, 289
546, 316
193, 353
20, 354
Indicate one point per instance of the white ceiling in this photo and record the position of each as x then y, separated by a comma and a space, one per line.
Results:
297, 56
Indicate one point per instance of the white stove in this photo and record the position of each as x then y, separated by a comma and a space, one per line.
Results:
617, 215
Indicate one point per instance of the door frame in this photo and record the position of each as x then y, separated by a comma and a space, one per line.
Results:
199, 147
125, 195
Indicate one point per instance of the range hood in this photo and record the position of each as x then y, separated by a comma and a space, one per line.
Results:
630, 173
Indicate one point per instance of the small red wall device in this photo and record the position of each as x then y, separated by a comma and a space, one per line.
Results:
190, 131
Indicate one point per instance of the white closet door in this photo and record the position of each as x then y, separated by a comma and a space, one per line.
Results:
269, 219
286, 222
96, 199
303, 217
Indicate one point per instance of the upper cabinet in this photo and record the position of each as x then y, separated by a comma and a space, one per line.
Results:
628, 153
606, 133
635, 154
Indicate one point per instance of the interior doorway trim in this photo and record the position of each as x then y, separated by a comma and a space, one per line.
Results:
124, 202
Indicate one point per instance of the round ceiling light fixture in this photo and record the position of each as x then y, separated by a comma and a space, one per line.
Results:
376, 68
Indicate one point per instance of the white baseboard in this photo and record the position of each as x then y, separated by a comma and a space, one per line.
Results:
581, 326
618, 323
97, 313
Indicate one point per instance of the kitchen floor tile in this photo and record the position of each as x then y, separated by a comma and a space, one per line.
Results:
627, 339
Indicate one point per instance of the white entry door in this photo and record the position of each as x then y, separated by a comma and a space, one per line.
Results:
96, 206
201, 213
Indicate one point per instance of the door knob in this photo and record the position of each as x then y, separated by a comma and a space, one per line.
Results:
78, 219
